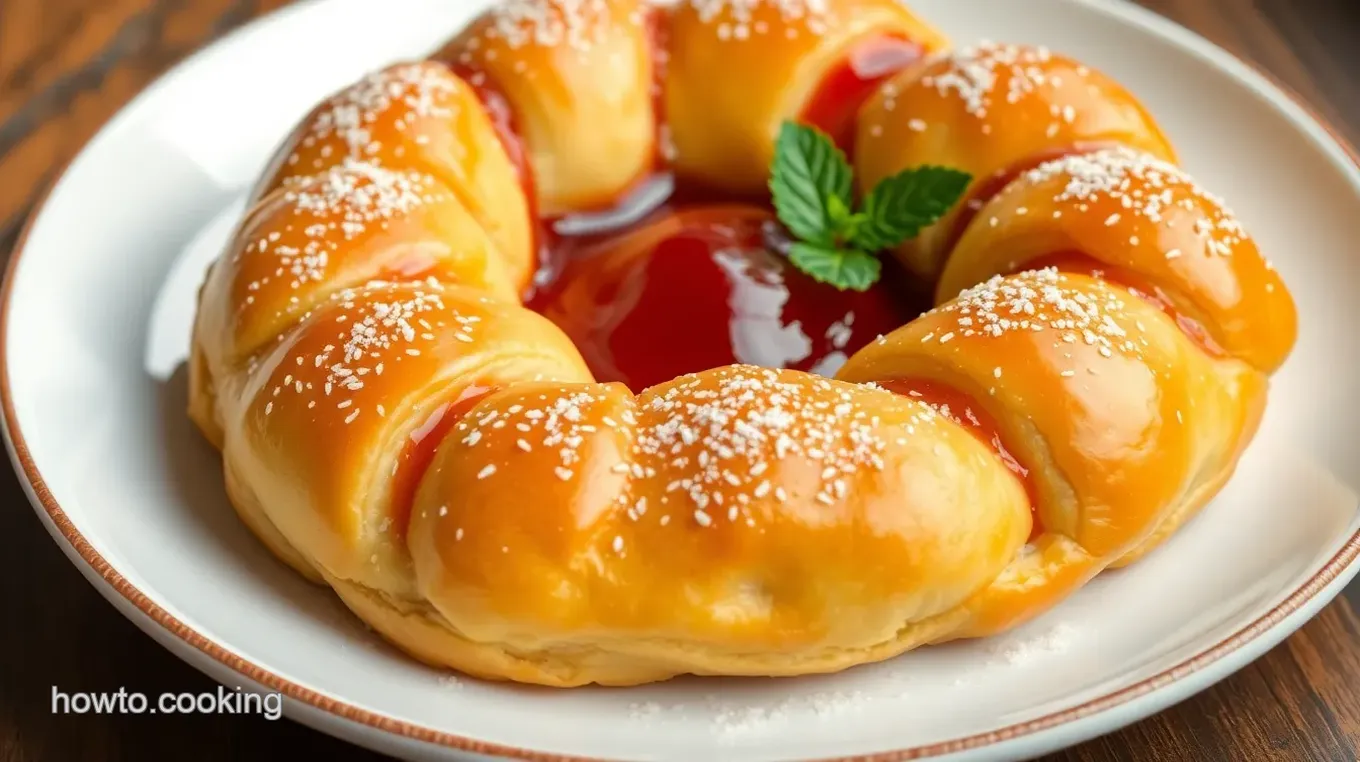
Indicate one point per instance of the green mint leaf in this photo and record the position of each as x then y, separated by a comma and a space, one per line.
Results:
842, 268
808, 172
837, 213
853, 223
901, 205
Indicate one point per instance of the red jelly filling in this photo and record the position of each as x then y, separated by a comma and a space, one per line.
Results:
839, 96
658, 40
707, 287
674, 279
419, 450
965, 410
1084, 264
503, 121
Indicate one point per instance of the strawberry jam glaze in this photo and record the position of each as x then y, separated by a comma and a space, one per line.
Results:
418, 451
676, 278
835, 104
703, 287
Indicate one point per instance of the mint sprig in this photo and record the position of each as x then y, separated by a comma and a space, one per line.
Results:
812, 184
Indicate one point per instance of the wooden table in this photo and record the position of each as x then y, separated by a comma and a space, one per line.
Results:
66, 66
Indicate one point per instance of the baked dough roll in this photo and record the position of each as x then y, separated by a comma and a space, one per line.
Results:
1115, 417
737, 70
317, 235
341, 420
1145, 223
395, 424
418, 117
737, 521
993, 111
577, 80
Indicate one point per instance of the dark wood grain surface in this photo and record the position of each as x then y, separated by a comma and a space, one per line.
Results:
66, 66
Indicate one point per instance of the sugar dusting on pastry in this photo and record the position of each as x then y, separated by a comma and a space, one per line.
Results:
1143, 186
737, 19
357, 193
1042, 301
715, 439
581, 24
413, 90
561, 424
715, 433
973, 74
330, 209
979, 75
378, 322
576, 24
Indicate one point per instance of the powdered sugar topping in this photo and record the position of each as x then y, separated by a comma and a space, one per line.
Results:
737, 19
374, 325
707, 448
1143, 186
1088, 312
560, 422
717, 440
358, 193
323, 214
577, 24
413, 90
973, 74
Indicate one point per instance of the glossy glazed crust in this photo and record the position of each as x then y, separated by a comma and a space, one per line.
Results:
1118, 418
398, 177
396, 425
579, 78
322, 425
340, 229
986, 109
685, 532
418, 117
723, 126
1137, 214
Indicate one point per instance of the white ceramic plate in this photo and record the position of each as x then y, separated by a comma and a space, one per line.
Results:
97, 310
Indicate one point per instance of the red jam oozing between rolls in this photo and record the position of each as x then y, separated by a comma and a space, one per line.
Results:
419, 450
1084, 264
838, 98
658, 40
964, 410
503, 121
706, 287
675, 278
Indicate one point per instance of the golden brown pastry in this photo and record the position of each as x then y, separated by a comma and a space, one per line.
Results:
1091, 395
418, 116
396, 424
992, 110
1146, 223
723, 124
719, 524
579, 79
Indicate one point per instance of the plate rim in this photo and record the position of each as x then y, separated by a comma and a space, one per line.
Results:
61, 527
